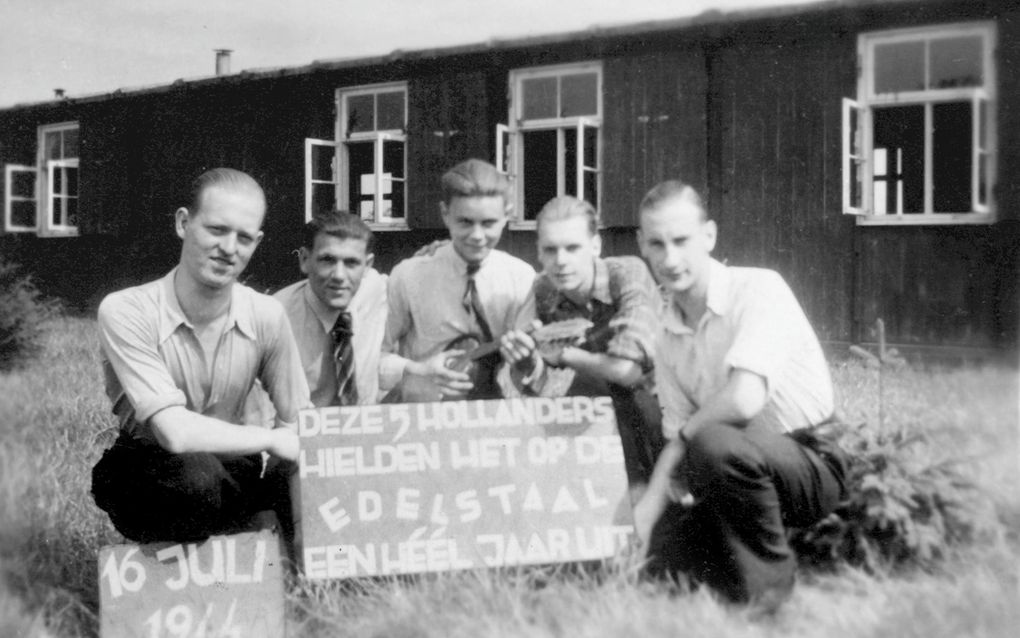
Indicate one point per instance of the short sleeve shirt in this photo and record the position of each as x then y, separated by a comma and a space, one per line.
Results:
153, 360
753, 322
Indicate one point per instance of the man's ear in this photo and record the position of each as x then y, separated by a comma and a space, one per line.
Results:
302, 257
596, 244
641, 243
710, 231
369, 260
443, 209
181, 219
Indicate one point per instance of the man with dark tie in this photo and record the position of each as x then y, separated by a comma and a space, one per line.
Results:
465, 288
338, 312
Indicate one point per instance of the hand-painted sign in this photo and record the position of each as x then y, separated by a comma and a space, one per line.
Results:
224, 587
409, 488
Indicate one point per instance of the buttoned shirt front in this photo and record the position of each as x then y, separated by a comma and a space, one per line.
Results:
312, 320
426, 304
753, 322
153, 359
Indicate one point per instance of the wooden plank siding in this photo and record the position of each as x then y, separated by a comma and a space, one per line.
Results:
653, 128
747, 112
774, 140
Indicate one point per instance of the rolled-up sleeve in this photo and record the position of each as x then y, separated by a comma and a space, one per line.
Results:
764, 335
281, 372
636, 322
129, 338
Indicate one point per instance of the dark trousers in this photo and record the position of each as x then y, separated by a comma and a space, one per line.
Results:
152, 495
749, 486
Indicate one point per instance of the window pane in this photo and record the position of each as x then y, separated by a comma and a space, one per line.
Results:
23, 214
51, 145
591, 147
956, 62
360, 162
579, 95
391, 111
322, 163
71, 204
540, 171
23, 184
899, 134
880, 162
393, 164
951, 157
539, 98
323, 198
570, 162
899, 67
71, 143
70, 180
360, 113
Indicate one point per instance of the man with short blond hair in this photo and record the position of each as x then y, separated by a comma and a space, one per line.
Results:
180, 357
466, 288
617, 295
742, 381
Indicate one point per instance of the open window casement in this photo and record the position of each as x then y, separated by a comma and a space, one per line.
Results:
20, 214
387, 177
61, 197
854, 162
981, 166
504, 150
320, 176
587, 162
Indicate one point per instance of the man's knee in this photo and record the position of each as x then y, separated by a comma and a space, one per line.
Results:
715, 448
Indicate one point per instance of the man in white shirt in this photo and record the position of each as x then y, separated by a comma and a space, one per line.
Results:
466, 288
342, 298
742, 380
180, 355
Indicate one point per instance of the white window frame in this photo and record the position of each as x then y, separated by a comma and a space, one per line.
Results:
858, 143
570, 179
10, 198
44, 181
310, 181
377, 138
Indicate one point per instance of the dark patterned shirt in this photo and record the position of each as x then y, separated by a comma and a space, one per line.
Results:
623, 296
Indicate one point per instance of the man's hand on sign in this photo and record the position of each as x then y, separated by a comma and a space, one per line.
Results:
283, 444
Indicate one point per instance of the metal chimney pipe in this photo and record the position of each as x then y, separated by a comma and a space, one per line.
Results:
223, 61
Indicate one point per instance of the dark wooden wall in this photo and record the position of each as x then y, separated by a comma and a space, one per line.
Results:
748, 114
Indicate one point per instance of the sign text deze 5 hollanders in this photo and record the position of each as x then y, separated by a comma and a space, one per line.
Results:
409, 488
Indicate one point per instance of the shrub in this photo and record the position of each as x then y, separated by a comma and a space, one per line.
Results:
902, 506
23, 315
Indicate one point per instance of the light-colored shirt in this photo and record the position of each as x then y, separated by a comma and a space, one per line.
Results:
311, 320
153, 360
753, 322
427, 312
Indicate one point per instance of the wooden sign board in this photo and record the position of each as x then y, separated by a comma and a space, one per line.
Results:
224, 587
422, 487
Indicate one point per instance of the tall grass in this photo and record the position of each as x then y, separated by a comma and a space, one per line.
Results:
55, 422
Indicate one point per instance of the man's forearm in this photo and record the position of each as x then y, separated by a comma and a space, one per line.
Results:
622, 372
180, 431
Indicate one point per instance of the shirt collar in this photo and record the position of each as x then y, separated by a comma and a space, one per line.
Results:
172, 315
718, 299
450, 253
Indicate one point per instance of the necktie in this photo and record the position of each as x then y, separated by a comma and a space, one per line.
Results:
473, 303
343, 354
